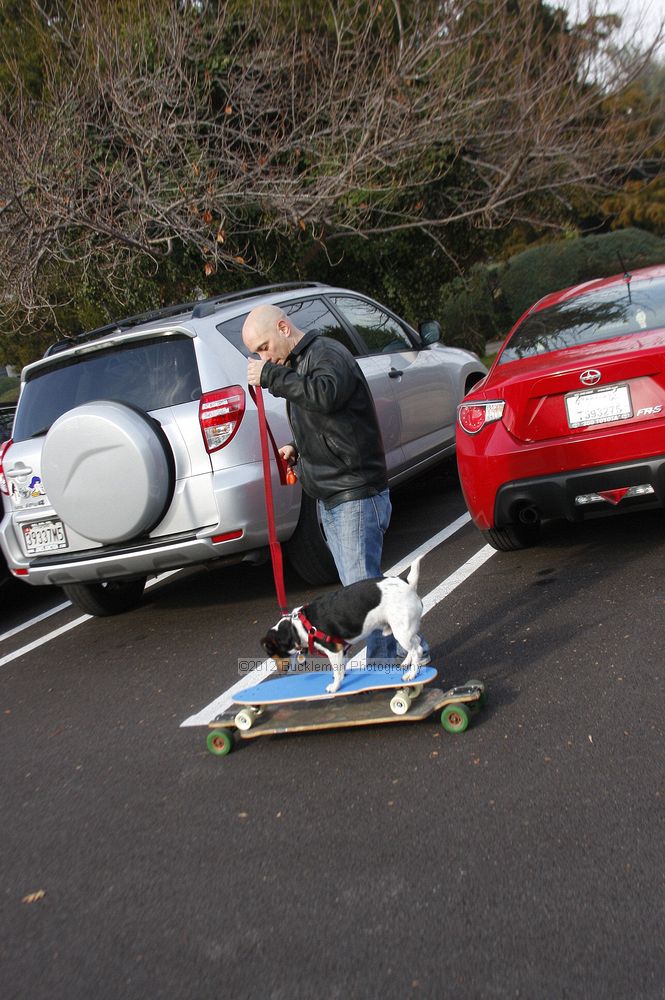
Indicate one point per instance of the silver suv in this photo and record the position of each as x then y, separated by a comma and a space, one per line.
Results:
135, 448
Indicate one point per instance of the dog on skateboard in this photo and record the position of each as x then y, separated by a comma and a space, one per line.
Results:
330, 624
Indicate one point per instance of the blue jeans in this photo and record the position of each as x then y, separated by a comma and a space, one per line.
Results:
354, 531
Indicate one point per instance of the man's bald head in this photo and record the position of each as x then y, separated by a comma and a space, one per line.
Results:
268, 332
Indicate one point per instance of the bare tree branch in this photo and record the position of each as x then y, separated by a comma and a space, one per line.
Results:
214, 128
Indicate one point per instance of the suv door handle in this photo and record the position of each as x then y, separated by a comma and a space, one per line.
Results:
18, 471
395, 373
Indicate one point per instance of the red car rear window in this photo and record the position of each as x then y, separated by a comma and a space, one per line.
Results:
619, 311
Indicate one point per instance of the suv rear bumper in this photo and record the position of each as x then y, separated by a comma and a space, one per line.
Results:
127, 561
555, 496
241, 532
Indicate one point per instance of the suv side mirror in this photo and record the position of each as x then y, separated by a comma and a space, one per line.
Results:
430, 331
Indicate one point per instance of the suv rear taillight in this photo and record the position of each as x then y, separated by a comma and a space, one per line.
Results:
3, 482
220, 413
473, 416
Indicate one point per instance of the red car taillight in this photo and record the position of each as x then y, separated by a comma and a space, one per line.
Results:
3, 482
220, 414
473, 416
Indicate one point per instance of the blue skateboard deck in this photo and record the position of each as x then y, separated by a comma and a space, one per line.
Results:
312, 686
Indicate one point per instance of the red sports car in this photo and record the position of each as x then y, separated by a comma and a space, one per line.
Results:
570, 420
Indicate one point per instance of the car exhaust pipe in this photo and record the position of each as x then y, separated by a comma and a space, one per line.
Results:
529, 515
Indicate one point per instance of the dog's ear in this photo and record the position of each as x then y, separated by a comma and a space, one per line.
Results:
280, 640
270, 643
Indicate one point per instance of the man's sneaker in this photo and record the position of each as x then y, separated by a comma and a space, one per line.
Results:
424, 660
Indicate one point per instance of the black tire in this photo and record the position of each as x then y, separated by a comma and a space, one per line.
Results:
307, 550
108, 598
513, 537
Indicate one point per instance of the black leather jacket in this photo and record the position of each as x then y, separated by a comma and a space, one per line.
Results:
332, 416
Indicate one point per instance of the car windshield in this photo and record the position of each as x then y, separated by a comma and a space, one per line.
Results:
149, 374
599, 315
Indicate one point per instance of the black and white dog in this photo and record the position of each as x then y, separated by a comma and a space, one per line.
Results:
332, 622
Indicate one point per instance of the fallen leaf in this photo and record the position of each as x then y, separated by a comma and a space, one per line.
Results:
34, 897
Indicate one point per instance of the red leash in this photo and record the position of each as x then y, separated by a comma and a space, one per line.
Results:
275, 548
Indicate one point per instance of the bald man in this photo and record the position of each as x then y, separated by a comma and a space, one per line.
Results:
336, 440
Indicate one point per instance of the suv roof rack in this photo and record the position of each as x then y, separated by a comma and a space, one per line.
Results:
119, 325
206, 307
198, 309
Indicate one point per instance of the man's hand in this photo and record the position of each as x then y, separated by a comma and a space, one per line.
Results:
288, 454
254, 369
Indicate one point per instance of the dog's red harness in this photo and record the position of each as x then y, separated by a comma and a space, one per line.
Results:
316, 633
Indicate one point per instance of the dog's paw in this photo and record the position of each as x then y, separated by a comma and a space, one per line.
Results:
410, 674
332, 688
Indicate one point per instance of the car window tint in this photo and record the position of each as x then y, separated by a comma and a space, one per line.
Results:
314, 314
599, 315
306, 314
380, 332
149, 374
231, 329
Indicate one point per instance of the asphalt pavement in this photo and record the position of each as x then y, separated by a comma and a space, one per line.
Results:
522, 858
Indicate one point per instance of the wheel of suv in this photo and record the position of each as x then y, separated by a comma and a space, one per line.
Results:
108, 598
307, 550
108, 471
513, 537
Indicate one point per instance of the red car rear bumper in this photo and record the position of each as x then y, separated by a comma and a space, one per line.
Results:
572, 494
501, 478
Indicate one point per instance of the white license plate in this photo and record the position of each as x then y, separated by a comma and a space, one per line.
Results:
598, 406
44, 536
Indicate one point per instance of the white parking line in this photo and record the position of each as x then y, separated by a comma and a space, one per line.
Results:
34, 621
44, 639
58, 631
224, 701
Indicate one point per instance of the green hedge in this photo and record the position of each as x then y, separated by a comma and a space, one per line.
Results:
8, 389
468, 312
537, 272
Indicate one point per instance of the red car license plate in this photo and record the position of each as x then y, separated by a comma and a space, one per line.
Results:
44, 536
598, 406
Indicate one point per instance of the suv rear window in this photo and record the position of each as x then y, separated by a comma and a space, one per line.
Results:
149, 374
600, 315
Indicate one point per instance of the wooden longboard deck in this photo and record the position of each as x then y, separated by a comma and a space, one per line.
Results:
371, 709
311, 686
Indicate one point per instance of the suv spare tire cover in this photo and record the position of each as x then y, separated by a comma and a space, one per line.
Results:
106, 471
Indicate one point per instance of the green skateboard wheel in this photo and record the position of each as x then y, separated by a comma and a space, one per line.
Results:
455, 718
220, 742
